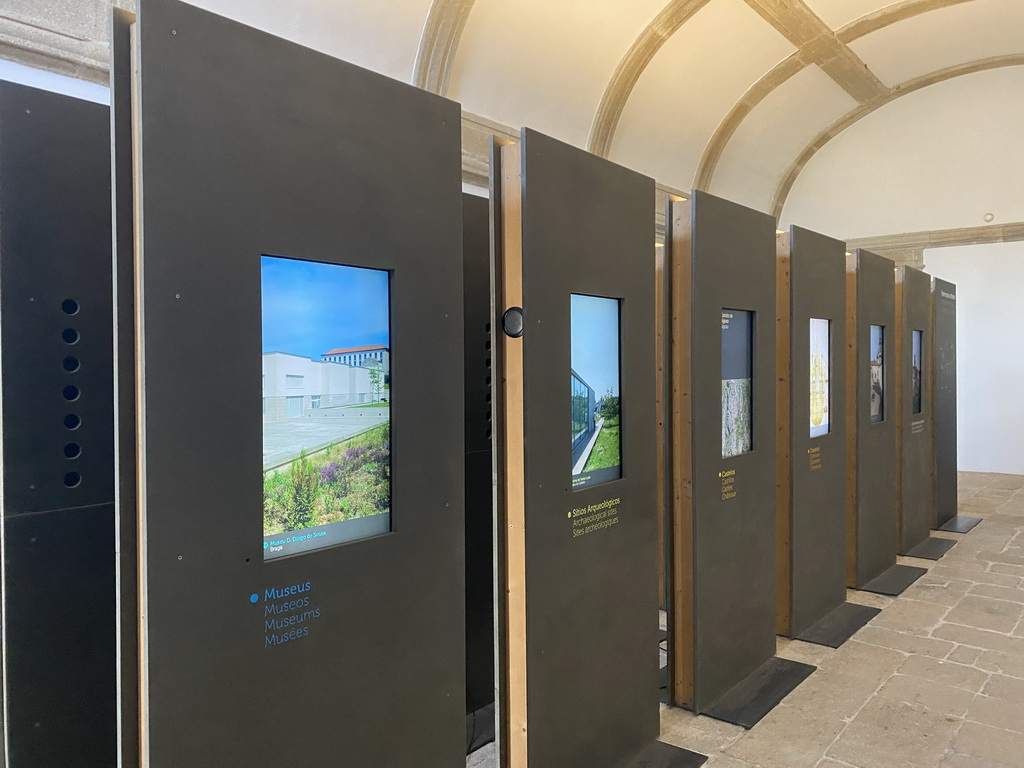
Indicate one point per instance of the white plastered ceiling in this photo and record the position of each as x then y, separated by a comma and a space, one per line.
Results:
943, 38
690, 85
544, 63
774, 133
940, 158
732, 96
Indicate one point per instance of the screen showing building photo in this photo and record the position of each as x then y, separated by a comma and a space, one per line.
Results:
737, 382
876, 352
596, 444
819, 372
915, 362
326, 404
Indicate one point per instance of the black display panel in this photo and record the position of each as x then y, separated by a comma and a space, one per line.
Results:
737, 382
588, 554
916, 370
876, 357
594, 383
326, 404
818, 376
250, 145
57, 546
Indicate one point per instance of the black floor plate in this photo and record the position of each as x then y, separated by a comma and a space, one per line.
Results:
662, 755
758, 694
895, 580
932, 548
839, 625
960, 524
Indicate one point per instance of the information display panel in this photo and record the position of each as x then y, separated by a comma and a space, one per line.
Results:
818, 375
811, 535
737, 382
872, 524
326, 404
578, 539
914, 445
245, 224
943, 365
876, 373
722, 619
596, 405
916, 371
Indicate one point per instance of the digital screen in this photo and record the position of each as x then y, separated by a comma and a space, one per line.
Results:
819, 373
737, 382
915, 362
326, 404
594, 378
876, 351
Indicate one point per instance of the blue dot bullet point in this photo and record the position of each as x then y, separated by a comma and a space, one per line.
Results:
253, 597
266, 544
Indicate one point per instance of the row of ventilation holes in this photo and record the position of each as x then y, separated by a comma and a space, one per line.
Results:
72, 421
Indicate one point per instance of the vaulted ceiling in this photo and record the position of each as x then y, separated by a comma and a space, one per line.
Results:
730, 96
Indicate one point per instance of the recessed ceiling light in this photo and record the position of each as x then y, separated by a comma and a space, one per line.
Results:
988, 217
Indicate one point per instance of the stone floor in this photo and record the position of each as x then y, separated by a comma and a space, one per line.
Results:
935, 680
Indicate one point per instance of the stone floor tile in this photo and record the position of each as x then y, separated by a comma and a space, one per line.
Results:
887, 734
701, 734
945, 672
980, 638
725, 761
1004, 663
938, 592
1002, 747
997, 713
485, 757
986, 613
976, 572
1007, 482
789, 737
993, 495
807, 653
900, 641
964, 654
910, 616
956, 760
827, 762
869, 599
919, 691
1007, 688
998, 593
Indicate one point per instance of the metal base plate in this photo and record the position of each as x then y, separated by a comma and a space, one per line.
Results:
960, 524
758, 693
662, 755
895, 580
932, 548
839, 625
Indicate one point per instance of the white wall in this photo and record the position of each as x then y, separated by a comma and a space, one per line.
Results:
990, 352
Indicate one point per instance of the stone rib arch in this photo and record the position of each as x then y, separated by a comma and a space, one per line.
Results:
439, 43
786, 69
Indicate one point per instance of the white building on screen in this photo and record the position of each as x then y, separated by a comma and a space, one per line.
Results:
295, 386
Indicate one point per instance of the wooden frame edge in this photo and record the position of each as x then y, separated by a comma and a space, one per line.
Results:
679, 259
783, 434
852, 392
511, 459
